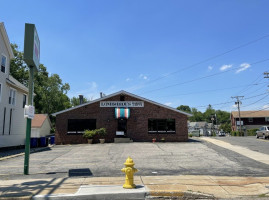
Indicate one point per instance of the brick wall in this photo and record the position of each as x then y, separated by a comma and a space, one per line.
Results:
137, 124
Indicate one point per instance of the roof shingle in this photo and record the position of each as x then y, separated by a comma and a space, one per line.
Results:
254, 114
38, 120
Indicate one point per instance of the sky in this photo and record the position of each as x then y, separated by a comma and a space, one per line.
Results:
174, 52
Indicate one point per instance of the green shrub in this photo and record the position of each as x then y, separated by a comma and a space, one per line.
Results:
235, 133
52, 130
252, 132
89, 134
101, 132
190, 135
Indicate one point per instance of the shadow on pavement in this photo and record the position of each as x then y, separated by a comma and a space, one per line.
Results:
30, 188
15, 151
194, 140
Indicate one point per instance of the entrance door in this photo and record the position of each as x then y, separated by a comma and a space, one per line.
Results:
122, 125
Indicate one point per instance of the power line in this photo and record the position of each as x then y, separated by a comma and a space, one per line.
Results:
204, 91
210, 58
203, 77
259, 77
245, 88
231, 101
256, 101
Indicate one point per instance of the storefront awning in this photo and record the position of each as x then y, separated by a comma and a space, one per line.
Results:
122, 113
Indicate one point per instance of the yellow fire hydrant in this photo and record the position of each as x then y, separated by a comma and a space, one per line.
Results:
129, 170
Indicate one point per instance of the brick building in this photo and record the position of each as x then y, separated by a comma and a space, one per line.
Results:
250, 119
124, 115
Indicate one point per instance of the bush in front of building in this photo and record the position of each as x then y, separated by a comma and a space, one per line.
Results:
101, 132
214, 134
235, 133
89, 134
252, 132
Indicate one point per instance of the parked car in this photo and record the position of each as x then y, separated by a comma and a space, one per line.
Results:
263, 132
221, 133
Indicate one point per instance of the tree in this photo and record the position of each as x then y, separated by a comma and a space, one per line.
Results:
197, 116
184, 108
223, 117
18, 68
209, 113
50, 92
226, 127
75, 101
52, 95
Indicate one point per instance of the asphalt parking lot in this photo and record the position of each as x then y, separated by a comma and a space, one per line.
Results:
195, 157
251, 142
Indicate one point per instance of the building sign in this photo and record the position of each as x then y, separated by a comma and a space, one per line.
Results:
29, 111
31, 46
238, 123
126, 104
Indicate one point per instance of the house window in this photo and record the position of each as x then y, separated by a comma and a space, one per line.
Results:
4, 121
12, 97
3, 63
250, 119
161, 126
78, 126
24, 100
267, 119
10, 121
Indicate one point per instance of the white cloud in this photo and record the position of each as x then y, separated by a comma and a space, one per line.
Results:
168, 103
243, 67
90, 91
266, 106
127, 79
93, 85
210, 68
224, 67
143, 76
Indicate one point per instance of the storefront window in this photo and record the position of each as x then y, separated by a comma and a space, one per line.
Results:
161, 126
77, 126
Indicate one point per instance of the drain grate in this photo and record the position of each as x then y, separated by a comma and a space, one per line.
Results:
80, 172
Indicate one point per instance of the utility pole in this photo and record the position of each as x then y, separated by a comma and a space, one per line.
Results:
266, 74
212, 127
238, 107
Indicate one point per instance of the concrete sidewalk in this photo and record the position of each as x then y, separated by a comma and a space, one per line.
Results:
206, 187
148, 187
260, 157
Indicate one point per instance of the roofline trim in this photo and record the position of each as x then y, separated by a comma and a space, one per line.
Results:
9, 82
6, 40
122, 92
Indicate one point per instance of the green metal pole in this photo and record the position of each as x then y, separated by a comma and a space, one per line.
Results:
29, 122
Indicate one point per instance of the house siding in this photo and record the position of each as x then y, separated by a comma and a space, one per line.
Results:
257, 123
45, 129
137, 124
16, 135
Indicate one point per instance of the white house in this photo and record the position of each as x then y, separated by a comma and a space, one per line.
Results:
41, 126
13, 97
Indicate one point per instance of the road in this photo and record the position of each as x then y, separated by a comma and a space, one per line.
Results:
259, 145
195, 157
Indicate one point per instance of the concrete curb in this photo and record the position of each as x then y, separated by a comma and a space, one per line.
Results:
179, 195
96, 192
116, 192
